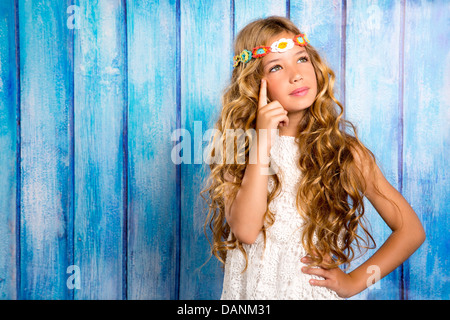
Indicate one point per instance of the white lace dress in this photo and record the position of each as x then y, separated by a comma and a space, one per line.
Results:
275, 273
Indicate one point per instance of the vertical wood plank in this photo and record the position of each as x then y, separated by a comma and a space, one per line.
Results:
426, 178
322, 22
372, 97
45, 82
8, 156
152, 86
100, 112
246, 11
205, 68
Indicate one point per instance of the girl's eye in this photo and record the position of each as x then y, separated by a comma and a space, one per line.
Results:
276, 68
303, 58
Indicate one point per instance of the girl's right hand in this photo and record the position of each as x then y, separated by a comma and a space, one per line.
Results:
269, 116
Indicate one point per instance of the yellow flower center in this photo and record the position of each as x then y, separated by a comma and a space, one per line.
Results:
282, 45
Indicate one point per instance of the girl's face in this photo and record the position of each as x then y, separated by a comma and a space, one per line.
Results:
290, 76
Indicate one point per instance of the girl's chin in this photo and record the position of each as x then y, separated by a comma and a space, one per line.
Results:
296, 109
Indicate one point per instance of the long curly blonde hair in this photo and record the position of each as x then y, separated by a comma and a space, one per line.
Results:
331, 189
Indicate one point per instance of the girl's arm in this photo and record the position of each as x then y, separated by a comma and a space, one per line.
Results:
245, 215
407, 231
407, 236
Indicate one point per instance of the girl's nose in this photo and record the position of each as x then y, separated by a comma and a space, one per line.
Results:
296, 76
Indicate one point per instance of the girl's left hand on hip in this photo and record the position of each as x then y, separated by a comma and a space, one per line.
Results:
335, 279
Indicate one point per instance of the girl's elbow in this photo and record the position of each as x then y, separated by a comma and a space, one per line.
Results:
413, 234
247, 238
245, 235
422, 236
418, 235
245, 230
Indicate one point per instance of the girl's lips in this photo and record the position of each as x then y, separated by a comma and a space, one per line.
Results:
300, 92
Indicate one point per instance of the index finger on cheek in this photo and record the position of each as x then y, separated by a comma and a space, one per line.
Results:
262, 93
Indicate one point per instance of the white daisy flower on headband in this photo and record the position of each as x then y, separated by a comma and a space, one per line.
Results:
282, 45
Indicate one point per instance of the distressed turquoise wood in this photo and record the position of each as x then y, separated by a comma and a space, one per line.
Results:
246, 11
45, 98
426, 179
100, 80
205, 67
8, 146
153, 215
372, 83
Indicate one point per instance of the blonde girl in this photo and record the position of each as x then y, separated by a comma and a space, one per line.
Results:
284, 236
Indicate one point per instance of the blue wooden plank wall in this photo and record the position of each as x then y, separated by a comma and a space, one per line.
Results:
372, 91
92, 205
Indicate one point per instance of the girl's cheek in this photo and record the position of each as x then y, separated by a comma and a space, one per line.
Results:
269, 93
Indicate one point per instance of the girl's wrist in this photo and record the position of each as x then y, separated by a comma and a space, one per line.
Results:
261, 151
359, 281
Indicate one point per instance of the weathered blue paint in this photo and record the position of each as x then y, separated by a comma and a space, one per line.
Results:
246, 11
426, 135
9, 151
205, 37
100, 79
88, 172
45, 98
152, 100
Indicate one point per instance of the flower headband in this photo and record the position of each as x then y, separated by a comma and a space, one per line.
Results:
281, 45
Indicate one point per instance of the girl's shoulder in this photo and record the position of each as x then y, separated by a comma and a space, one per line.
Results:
363, 158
